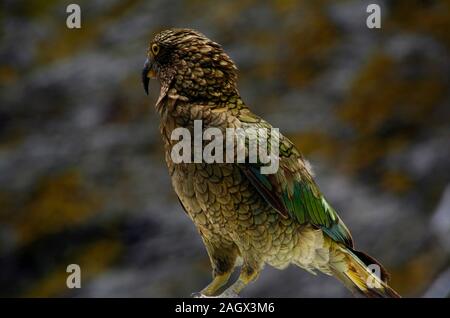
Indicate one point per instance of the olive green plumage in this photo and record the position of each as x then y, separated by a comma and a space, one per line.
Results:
243, 216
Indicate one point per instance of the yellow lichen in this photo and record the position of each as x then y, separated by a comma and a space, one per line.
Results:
58, 203
396, 181
386, 108
8, 75
92, 259
310, 44
417, 273
312, 142
427, 17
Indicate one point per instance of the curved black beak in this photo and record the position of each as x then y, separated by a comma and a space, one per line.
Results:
145, 79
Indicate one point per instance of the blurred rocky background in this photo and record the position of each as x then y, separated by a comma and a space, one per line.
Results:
82, 175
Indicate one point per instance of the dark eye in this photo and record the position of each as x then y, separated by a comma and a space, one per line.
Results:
155, 49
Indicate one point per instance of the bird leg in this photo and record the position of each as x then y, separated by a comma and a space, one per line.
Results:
223, 262
218, 282
247, 275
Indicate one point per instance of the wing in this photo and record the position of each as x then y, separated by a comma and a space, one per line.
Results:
291, 190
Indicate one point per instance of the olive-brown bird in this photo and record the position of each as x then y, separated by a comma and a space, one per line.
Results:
246, 217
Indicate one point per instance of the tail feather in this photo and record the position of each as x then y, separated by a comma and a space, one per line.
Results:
354, 269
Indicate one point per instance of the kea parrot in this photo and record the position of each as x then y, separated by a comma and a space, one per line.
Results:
246, 218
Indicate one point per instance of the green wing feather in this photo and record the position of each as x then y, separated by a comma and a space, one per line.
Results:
293, 192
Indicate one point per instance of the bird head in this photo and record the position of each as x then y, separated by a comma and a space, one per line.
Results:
190, 63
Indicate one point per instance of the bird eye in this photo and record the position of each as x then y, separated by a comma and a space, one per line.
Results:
155, 49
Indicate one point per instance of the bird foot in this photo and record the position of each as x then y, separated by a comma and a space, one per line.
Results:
199, 295
225, 294
228, 294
